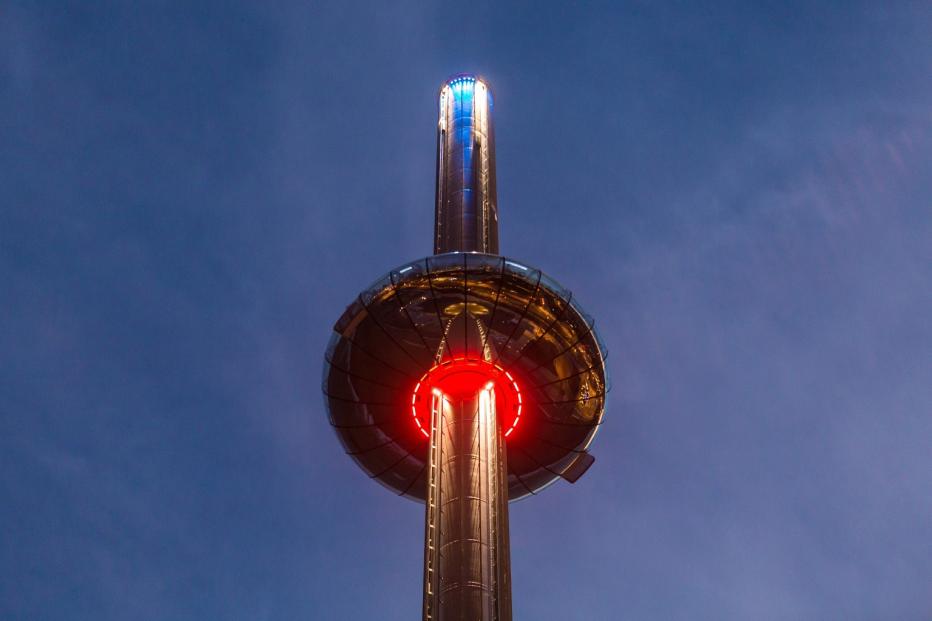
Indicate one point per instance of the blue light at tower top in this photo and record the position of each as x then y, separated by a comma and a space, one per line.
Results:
463, 86
458, 81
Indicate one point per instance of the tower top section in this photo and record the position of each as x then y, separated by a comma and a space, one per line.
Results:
466, 212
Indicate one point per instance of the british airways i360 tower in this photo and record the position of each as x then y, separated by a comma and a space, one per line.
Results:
466, 379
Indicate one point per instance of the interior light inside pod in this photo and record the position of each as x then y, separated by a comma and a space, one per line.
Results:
465, 378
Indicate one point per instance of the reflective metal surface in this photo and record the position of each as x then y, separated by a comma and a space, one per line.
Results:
466, 217
466, 560
391, 335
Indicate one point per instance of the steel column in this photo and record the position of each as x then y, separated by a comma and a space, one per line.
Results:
467, 573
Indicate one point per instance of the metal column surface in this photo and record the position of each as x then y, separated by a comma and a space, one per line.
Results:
467, 574
466, 215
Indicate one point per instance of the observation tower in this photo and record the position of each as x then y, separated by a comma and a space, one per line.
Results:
466, 379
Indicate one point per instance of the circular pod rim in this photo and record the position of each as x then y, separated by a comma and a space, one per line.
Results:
466, 306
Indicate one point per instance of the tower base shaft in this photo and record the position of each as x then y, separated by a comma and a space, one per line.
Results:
467, 569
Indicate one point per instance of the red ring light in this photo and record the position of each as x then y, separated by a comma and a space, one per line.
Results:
462, 377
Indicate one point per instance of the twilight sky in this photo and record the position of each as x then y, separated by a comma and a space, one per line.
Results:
192, 193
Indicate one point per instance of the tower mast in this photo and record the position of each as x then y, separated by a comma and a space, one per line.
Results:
467, 566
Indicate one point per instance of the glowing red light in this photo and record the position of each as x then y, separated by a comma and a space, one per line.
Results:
464, 377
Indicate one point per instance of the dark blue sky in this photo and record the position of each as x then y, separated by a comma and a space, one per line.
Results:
192, 192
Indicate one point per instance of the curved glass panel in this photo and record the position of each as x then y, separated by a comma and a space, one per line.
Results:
377, 290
